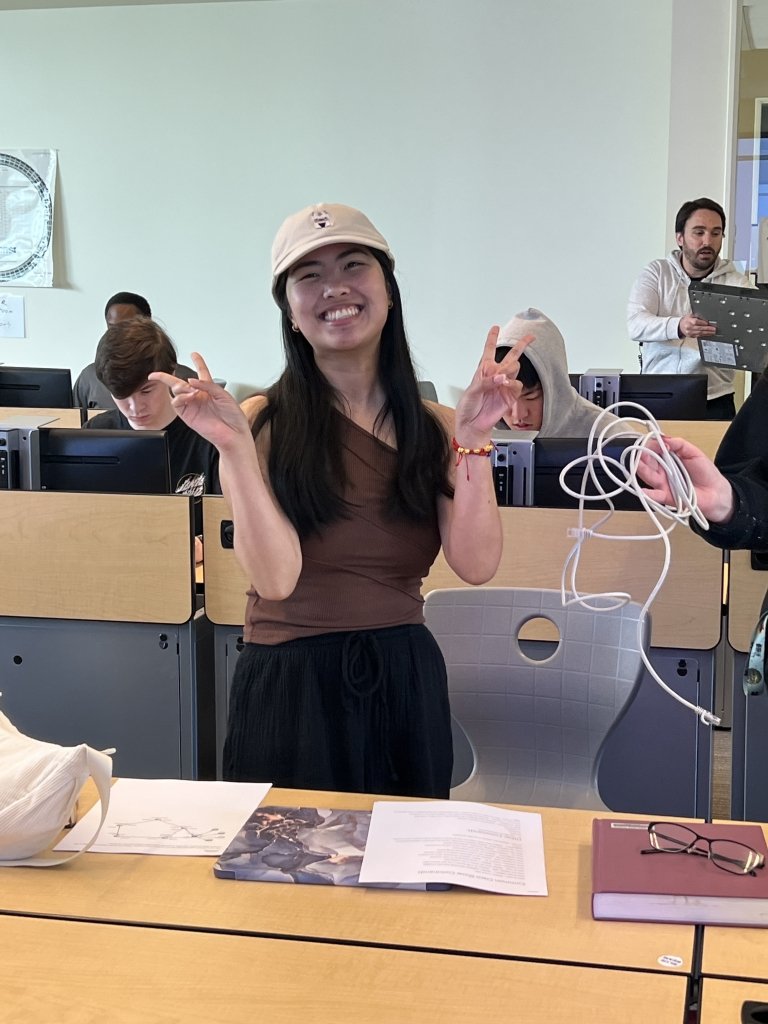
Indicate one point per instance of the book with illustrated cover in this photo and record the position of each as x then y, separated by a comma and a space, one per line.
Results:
311, 845
628, 885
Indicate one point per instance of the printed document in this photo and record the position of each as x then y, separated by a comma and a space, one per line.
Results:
457, 842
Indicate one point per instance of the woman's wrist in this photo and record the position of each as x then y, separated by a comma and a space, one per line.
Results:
724, 505
471, 439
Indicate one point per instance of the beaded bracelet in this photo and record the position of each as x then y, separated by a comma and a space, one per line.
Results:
462, 451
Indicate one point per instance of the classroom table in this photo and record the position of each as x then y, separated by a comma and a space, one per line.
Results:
182, 892
746, 590
738, 953
721, 1001
99, 641
71, 972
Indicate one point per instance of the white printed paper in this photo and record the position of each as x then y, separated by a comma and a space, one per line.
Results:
12, 316
169, 816
457, 842
27, 194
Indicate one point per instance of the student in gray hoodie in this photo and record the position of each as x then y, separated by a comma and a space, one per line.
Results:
548, 403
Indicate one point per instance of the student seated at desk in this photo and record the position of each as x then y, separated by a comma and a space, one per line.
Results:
128, 352
343, 485
88, 391
548, 403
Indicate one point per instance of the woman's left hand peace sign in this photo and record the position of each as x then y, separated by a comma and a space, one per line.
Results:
491, 392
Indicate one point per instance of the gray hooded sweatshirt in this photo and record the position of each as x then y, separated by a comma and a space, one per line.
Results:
565, 413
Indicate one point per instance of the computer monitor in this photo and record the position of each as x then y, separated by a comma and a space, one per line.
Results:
552, 455
111, 461
35, 387
666, 396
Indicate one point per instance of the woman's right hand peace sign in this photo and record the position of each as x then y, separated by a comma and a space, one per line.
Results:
205, 406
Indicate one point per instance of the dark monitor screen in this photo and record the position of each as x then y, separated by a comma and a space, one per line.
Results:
105, 461
552, 454
666, 396
35, 387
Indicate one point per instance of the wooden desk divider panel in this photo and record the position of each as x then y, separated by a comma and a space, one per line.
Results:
686, 613
225, 582
103, 557
59, 417
705, 434
746, 590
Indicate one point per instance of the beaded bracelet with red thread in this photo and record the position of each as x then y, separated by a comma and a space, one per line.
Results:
485, 451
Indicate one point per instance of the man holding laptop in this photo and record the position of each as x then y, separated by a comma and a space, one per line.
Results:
659, 313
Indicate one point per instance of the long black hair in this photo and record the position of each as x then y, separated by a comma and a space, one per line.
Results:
306, 468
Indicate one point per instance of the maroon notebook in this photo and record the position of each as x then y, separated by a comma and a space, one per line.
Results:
677, 887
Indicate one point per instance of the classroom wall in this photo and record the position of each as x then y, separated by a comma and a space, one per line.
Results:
513, 153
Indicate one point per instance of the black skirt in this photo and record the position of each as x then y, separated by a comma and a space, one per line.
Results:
360, 712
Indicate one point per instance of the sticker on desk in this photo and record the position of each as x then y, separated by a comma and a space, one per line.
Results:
667, 960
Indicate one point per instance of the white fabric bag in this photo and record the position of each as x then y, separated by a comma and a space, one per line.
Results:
39, 785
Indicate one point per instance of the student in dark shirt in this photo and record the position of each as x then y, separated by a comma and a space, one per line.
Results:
88, 391
128, 352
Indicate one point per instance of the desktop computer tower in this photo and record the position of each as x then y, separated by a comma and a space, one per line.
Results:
512, 461
600, 386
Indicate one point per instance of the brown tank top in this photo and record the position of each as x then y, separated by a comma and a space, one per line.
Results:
361, 572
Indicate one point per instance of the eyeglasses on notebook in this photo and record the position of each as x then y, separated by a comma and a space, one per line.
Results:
669, 837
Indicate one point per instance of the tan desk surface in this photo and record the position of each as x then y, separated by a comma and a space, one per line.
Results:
747, 588
685, 614
118, 557
736, 952
183, 891
59, 417
71, 972
721, 1000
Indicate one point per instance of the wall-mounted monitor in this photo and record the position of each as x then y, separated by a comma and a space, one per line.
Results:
553, 454
35, 387
112, 461
666, 396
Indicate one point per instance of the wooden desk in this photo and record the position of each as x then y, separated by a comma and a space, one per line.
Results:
740, 953
70, 972
59, 417
101, 557
97, 628
686, 613
225, 581
720, 1001
705, 434
183, 892
747, 587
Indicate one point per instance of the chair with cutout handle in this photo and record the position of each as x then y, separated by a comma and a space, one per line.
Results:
528, 731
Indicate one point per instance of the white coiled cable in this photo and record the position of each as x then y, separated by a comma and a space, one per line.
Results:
648, 444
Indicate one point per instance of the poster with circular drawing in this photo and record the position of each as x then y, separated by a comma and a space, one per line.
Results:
27, 190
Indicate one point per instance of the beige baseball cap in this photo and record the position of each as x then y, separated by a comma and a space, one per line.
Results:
318, 225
